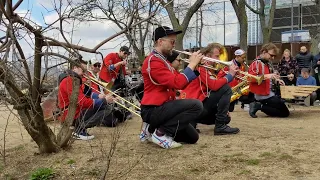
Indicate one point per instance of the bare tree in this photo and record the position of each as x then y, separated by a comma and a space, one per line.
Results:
266, 20
171, 9
118, 12
27, 103
240, 10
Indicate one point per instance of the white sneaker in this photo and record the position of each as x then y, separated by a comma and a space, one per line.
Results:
82, 136
144, 134
165, 141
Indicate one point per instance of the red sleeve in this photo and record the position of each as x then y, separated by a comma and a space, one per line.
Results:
222, 73
108, 60
83, 101
255, 68
162, 75
213, 84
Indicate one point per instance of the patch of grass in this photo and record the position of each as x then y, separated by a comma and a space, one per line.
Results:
71, 161
42, 174
245, 172
266, 154
286, 157
252, 162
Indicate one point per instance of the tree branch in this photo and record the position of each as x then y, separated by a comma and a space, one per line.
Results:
251, 9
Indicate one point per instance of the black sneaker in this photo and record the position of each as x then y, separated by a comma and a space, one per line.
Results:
253, 108
225, 130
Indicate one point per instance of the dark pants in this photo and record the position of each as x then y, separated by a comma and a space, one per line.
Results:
174, 118
275, 107
243, 99
216, 107
91, 117
96, 116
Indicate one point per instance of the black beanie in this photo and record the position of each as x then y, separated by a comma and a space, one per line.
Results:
173, 57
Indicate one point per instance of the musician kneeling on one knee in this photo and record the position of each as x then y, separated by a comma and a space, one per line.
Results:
267, 101
238, 61
90, 111
166, 121
214, 93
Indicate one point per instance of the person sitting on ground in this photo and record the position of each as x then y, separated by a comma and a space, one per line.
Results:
90, 111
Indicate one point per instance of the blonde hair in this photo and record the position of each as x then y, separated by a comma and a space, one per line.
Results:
288, 51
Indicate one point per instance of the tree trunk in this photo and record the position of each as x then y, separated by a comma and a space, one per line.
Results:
67, 128
243, 21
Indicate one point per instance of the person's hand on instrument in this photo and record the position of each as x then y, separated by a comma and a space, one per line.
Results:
195, 59
124, 62
109, 98
233, 69
101, 96
281, 82
271, 76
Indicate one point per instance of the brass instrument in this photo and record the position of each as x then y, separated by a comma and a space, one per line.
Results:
237, 94
228, 63
259, 79
106, 86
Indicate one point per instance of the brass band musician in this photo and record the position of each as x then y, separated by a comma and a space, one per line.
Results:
240, 56
264, 93
214, 93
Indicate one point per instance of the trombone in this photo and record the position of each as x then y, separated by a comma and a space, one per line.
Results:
259, 79
106, 87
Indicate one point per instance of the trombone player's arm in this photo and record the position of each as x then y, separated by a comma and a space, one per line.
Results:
213, 83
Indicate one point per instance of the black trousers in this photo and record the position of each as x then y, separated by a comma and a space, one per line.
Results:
243, 99
275, 107
102, 115
174, 118
216, 107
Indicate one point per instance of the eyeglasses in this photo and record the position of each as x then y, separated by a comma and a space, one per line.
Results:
97, 65
172, 41
272, 55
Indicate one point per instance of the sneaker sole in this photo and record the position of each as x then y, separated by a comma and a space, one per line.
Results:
226, 133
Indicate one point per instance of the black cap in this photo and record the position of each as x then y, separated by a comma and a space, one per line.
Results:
163, 31
173, 56
125, 49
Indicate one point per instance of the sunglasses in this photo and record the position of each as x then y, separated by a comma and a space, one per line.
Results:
97, 65
272, 55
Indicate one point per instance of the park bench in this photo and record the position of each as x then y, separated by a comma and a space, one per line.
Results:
298, 93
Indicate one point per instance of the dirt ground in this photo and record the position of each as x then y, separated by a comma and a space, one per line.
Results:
266, 148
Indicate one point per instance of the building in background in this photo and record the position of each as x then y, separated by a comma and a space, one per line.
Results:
305, 20
254, 27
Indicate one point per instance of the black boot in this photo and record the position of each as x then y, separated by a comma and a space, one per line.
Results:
225, 130
253, 108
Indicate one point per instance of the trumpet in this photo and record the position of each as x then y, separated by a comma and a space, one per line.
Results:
259, 79
228, 63
106, 87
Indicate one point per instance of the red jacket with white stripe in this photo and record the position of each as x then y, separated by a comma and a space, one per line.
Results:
161, 80
200, 87
259, 68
